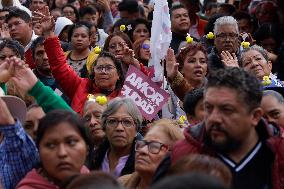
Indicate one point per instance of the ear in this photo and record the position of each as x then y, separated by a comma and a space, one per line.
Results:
256, 114
30, 24
269, 65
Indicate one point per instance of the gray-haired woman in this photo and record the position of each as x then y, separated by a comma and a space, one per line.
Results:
121, 122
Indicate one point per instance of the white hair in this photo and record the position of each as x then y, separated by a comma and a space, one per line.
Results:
225, 20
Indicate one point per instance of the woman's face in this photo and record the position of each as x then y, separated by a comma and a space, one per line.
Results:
60, 3
62, 151
80, 39
68, 12
121, 136
146, 161
254, 62
195, 67
117, 45
145, 50
106, 74
140, 31
56, 14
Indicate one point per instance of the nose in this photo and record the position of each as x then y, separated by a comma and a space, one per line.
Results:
94, 121
45, 56
119, 127
143, 150
214, 116
62, 152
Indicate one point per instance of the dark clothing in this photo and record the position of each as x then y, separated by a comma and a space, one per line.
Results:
272, 154
176, 41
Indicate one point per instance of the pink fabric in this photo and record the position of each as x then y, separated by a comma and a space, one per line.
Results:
33, 180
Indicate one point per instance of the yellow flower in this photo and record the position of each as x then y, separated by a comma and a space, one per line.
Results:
189, 39
122, 28
245, 44
210, 35
97, 50
266, 80
90, 97
182, 119
101, 100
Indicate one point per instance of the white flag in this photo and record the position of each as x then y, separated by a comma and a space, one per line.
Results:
161, 37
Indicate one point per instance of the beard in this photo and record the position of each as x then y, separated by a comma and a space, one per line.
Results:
229, 144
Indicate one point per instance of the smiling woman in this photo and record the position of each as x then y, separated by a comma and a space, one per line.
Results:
62, 143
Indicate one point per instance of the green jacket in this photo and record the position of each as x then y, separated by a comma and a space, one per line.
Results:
3, 86
47, 98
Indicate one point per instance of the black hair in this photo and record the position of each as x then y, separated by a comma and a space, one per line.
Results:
38, 41
239, 15
15, 46
136, 22
230, 9
210, 5
175, 7
80, 24
18, 13
191, 99
119, 22
117, 63
130, 6
247, 86
55, 117
193, 180
87, 10
74, 9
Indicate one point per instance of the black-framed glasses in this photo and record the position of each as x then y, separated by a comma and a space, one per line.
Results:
153, 146
224, 36
126, 122
106, 68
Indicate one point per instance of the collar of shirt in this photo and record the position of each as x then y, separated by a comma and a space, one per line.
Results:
34, 36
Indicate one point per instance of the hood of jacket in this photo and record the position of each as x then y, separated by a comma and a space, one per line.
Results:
60, 24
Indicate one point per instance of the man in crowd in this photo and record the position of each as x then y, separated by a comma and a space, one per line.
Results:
234, 132
37, 4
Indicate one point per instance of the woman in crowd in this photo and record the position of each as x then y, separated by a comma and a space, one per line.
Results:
190, 71
150, 152
106, 73
79, 36
63, 144
121, 122
69, 11
140, 29
142, 50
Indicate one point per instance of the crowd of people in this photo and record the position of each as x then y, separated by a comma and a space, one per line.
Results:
65, 124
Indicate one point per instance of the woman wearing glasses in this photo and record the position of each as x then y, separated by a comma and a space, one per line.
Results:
106, 72
150, 152
142, 50
121, 122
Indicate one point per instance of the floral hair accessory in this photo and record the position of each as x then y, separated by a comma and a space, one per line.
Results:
129, 27
91, 97
122, 28
189, 39
182, 119
210, 35
97, 50
266, 81
101, 100
245, 44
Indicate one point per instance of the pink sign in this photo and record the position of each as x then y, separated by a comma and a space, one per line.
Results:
146, 94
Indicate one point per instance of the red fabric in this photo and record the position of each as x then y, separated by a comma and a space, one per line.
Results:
195, 145
75, 87
201, 25
34, 180
29, 58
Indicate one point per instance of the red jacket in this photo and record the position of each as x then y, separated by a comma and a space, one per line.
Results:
274, 138
75, 87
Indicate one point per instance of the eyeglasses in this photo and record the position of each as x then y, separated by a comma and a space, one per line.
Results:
124, 122
106, 68
145, 46
153, 147
115, 46
224, 36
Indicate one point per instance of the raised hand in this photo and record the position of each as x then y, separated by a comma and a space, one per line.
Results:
4, 31
24, 78
46, 21
171, 64
6, 71
229, 59
128, 57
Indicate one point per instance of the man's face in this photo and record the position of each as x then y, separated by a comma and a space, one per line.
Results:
19, 29
180, 21
227, 39
245, 26
227, 119
3, 17
273, 110
37, 5
41, 59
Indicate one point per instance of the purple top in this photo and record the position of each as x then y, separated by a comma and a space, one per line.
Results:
120, 165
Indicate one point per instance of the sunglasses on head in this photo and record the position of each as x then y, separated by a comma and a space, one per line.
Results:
145, 46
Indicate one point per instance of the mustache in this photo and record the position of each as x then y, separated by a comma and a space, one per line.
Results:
217, 127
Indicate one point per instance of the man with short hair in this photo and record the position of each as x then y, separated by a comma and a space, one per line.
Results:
234, 131
272, 105
37, 4
226, 34
21, 29
180, 25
